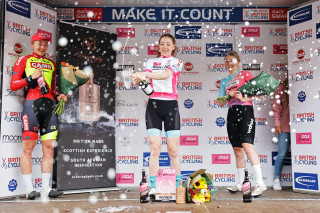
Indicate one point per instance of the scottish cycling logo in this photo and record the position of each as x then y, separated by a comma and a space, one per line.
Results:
188, 103
302, 96
12, 185
220, 122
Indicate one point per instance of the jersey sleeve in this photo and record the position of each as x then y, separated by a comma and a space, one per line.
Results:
222, 90
177, 67
148, 65
16, 80
248, 76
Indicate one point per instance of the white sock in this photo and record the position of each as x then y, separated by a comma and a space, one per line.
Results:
27, 179
240, 175
258, 173
46, 180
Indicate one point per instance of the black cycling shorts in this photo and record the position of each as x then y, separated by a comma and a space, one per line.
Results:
37, 115
163, 110
241, 125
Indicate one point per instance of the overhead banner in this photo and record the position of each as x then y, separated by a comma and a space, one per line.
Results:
86, 147
173, 14
22, 20
304, 60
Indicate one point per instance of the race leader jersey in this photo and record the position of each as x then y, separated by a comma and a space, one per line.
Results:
24, 67
166, 88
234, 82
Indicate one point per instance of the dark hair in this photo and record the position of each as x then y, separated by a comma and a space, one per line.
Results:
232, 53
174, 52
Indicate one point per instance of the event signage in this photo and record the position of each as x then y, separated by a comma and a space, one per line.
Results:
300, 15
174, 14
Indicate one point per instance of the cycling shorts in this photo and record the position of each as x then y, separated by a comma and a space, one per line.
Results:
241, 125
166, 111
37, 115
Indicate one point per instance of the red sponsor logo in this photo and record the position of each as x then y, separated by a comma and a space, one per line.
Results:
250, 31
153, 50
122, 178
18, 48
188, 66
126, 32
278, 14
189, 140
88, 14
156, 63
280, 49
304, 138
218, 84
221, 159
300, 54
41, 65
46, 34
25, 123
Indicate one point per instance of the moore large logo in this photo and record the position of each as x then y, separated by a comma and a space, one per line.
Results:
307, 181
164, 159
19, 7
188, 32
217, 49
300, 15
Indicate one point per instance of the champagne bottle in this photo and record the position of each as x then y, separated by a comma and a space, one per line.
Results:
144, 187
42, 85
146, 87
246, 188
181, 193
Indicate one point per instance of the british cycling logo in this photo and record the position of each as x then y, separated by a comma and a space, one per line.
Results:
302, 96
12, 185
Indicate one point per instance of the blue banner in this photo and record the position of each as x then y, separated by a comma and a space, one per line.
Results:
300, 15
19, 7
306, 181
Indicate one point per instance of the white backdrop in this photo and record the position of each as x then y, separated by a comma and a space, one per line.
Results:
304, 53
20, 25
203, 144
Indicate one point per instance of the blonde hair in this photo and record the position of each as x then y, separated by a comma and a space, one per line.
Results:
174, 52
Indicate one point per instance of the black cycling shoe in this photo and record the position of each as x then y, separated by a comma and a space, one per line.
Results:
32, 195
54, 193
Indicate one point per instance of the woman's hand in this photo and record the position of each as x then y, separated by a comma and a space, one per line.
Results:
232, 93
36, 74
278, 130
62, 96
238, 95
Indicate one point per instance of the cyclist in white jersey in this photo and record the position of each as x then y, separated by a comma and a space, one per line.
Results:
163, 73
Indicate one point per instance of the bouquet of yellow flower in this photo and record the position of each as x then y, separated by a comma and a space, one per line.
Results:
199, 187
